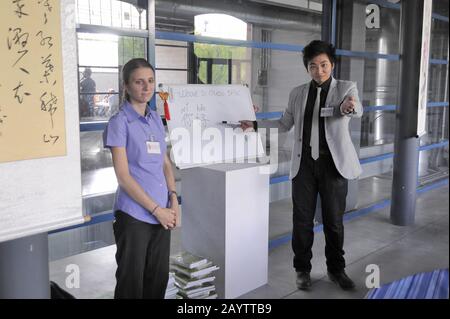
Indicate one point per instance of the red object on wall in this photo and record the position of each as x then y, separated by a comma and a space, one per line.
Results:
166, 111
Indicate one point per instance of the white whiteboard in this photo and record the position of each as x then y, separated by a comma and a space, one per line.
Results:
196, 129
44, 194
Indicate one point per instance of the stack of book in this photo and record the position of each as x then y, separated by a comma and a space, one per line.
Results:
171, 291
194, 276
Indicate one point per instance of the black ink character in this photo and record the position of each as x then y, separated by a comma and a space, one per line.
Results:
48, 104
49, 67
19, 7
47, 6
50, 138
45, 40
16, 93
19, 39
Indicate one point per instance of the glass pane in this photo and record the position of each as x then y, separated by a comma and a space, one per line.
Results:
112, 13
439, 39
433, 164
219, 74
377, 80
170, 42
99, 57
377, 128
377, 83
131, 47
438, 83
273, 81
99, 93
436, 125
354, 35
212, 25
99, 107
93, 155
98, 49
171, 57
440, 7
202, 72
170, 77
76, 241
105, 80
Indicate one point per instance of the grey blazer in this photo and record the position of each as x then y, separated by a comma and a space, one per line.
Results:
336, 127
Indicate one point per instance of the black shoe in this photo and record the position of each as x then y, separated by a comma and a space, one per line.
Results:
303, 280
342, 280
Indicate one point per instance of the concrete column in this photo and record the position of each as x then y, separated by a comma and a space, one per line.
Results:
406, 152
24, 270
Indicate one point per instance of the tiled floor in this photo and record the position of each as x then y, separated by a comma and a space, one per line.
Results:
370, 239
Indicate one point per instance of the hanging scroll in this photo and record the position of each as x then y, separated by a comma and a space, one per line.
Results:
32, 121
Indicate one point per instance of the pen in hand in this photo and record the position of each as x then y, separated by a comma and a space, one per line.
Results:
231, 124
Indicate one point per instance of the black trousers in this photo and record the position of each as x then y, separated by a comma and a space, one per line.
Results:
142, 258
318, 177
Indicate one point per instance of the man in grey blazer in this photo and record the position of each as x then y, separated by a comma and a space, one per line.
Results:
323, 159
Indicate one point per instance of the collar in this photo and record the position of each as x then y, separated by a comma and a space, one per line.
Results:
131, 113
325, 85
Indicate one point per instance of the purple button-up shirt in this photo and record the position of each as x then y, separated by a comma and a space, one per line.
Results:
130, 130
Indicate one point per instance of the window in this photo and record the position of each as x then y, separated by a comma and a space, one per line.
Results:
111, 13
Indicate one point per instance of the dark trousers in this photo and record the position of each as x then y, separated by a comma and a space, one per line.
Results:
142, 258
318, 177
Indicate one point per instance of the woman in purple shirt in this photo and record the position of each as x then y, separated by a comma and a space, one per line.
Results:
146, 206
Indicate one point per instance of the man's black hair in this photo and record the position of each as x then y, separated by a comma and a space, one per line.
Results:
317, 47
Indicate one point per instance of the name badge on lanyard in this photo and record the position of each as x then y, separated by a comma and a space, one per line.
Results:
153, 147
326, 111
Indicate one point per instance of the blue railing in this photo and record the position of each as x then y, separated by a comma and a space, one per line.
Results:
432, 146
374, 108
93, 126
268, 115
437, 104
377, 158
438, 61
